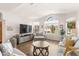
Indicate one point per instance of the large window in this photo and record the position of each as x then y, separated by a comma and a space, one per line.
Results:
51, 25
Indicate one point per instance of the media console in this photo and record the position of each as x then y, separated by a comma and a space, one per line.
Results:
25, 37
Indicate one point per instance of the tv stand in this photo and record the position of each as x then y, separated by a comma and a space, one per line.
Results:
25, 37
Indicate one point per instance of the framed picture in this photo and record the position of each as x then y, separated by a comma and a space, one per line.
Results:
9, 28
71, 24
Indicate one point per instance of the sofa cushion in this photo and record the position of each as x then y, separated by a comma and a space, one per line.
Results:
17, 52
76, 44
6, 49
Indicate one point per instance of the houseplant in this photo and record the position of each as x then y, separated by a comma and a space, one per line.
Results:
71, 24
62, 32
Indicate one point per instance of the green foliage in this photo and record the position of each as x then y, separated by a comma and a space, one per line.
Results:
62, 32
71, 25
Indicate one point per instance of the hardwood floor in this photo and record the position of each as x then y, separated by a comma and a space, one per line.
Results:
27, 48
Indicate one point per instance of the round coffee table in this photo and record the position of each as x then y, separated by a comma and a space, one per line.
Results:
40, 48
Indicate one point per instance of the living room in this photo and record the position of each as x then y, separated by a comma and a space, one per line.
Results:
40, 29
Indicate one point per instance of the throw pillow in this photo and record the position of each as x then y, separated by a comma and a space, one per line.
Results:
6, 49
76, 44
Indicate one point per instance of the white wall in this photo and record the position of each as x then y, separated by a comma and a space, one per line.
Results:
13, 21
77, 23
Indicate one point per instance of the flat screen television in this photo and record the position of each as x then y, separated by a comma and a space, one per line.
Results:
25, 28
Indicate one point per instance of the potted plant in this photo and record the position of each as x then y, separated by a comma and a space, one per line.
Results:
62, 32
71, 24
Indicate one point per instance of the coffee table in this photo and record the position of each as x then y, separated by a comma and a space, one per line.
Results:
40, 48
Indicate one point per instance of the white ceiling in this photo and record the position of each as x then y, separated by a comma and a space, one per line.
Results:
8, 6
35, 10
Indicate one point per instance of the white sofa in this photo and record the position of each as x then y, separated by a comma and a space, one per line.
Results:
52, 36
7, 49
17, 52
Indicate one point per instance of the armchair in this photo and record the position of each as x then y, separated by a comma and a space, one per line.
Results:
71, 47
74, 52
68, 45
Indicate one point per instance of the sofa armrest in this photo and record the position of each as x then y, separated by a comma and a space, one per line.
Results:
0, 53
18, 52
72, 48
71, 51
13, 42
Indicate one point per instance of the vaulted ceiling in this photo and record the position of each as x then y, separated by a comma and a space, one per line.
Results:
35, 10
